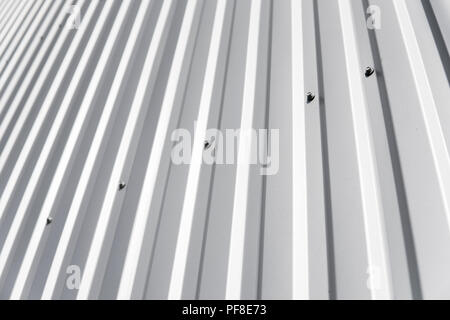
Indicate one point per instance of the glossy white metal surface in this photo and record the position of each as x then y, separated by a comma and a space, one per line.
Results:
92, 205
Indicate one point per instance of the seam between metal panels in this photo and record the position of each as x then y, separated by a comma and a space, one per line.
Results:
325, 159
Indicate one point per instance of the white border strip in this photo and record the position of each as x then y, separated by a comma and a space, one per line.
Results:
237, 240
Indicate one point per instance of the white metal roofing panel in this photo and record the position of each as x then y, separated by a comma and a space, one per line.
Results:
350, 200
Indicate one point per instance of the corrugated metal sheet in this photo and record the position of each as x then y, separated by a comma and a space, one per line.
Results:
360, 205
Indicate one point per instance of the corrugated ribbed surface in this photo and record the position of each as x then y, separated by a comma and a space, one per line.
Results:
360, 205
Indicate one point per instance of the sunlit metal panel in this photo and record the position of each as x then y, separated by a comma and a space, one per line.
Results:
129, 168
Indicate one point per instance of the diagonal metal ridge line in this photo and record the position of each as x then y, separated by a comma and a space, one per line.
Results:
17, 225
237, 237
187, 215
337, 113
375, 234
140, 222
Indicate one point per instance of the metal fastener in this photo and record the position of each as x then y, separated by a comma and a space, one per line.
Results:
49, 220
310, 97
369, 71
122, 185
207, 145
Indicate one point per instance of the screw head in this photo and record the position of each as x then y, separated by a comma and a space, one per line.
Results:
207, 145
49, 220
310, 97
369, 71
122, 185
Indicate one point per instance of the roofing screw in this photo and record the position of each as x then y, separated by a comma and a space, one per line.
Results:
49, 220
310, 97
369, 71
207, 145
122, 185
